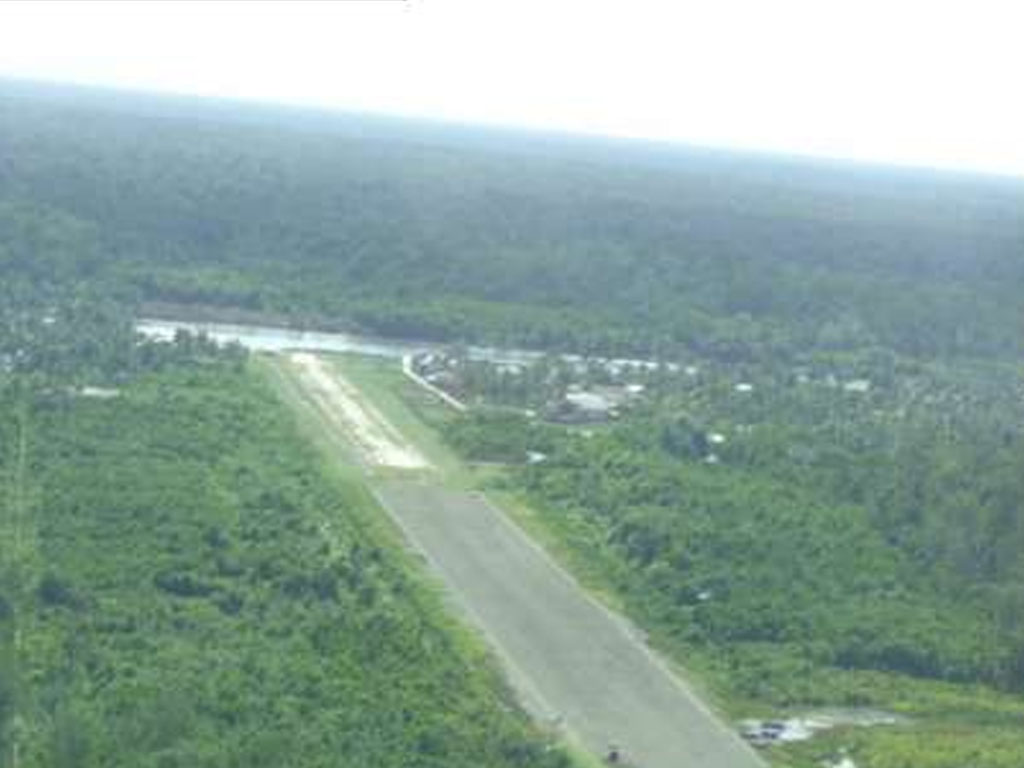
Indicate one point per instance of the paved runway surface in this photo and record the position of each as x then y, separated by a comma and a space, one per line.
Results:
571, 660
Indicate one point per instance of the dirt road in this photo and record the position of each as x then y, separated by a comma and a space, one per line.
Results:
344, 406
575, 665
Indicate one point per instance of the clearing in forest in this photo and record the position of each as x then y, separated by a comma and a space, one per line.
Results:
378, 441
574, 664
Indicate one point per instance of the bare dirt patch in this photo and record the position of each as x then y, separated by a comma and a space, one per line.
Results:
377, 440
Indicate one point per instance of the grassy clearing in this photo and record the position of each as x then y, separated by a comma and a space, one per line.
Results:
280, 376
405, 405
377, 377
422, 417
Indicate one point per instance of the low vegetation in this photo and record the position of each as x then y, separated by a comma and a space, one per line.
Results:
800, 543
184, 583
820, 504
453, 233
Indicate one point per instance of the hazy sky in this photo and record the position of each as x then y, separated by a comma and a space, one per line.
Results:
939, 82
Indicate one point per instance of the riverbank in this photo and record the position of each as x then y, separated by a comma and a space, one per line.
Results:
262, 338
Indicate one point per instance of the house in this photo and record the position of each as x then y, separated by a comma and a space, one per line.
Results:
591, 402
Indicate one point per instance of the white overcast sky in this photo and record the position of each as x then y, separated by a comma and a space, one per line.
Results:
937, 83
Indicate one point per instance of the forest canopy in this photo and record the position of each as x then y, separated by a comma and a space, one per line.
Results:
448, 232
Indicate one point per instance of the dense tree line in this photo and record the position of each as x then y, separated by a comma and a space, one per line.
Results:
804, 542
203, 595
836, 547
729, 556
451, 233
184, 583
883, 528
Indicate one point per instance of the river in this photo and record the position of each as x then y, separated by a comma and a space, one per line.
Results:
268, 339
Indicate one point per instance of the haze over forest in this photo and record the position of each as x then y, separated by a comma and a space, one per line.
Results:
440, 231
811, 497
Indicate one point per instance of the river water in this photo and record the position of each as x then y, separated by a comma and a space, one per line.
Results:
267, 339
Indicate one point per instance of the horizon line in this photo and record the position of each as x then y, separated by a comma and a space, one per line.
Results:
845, 162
